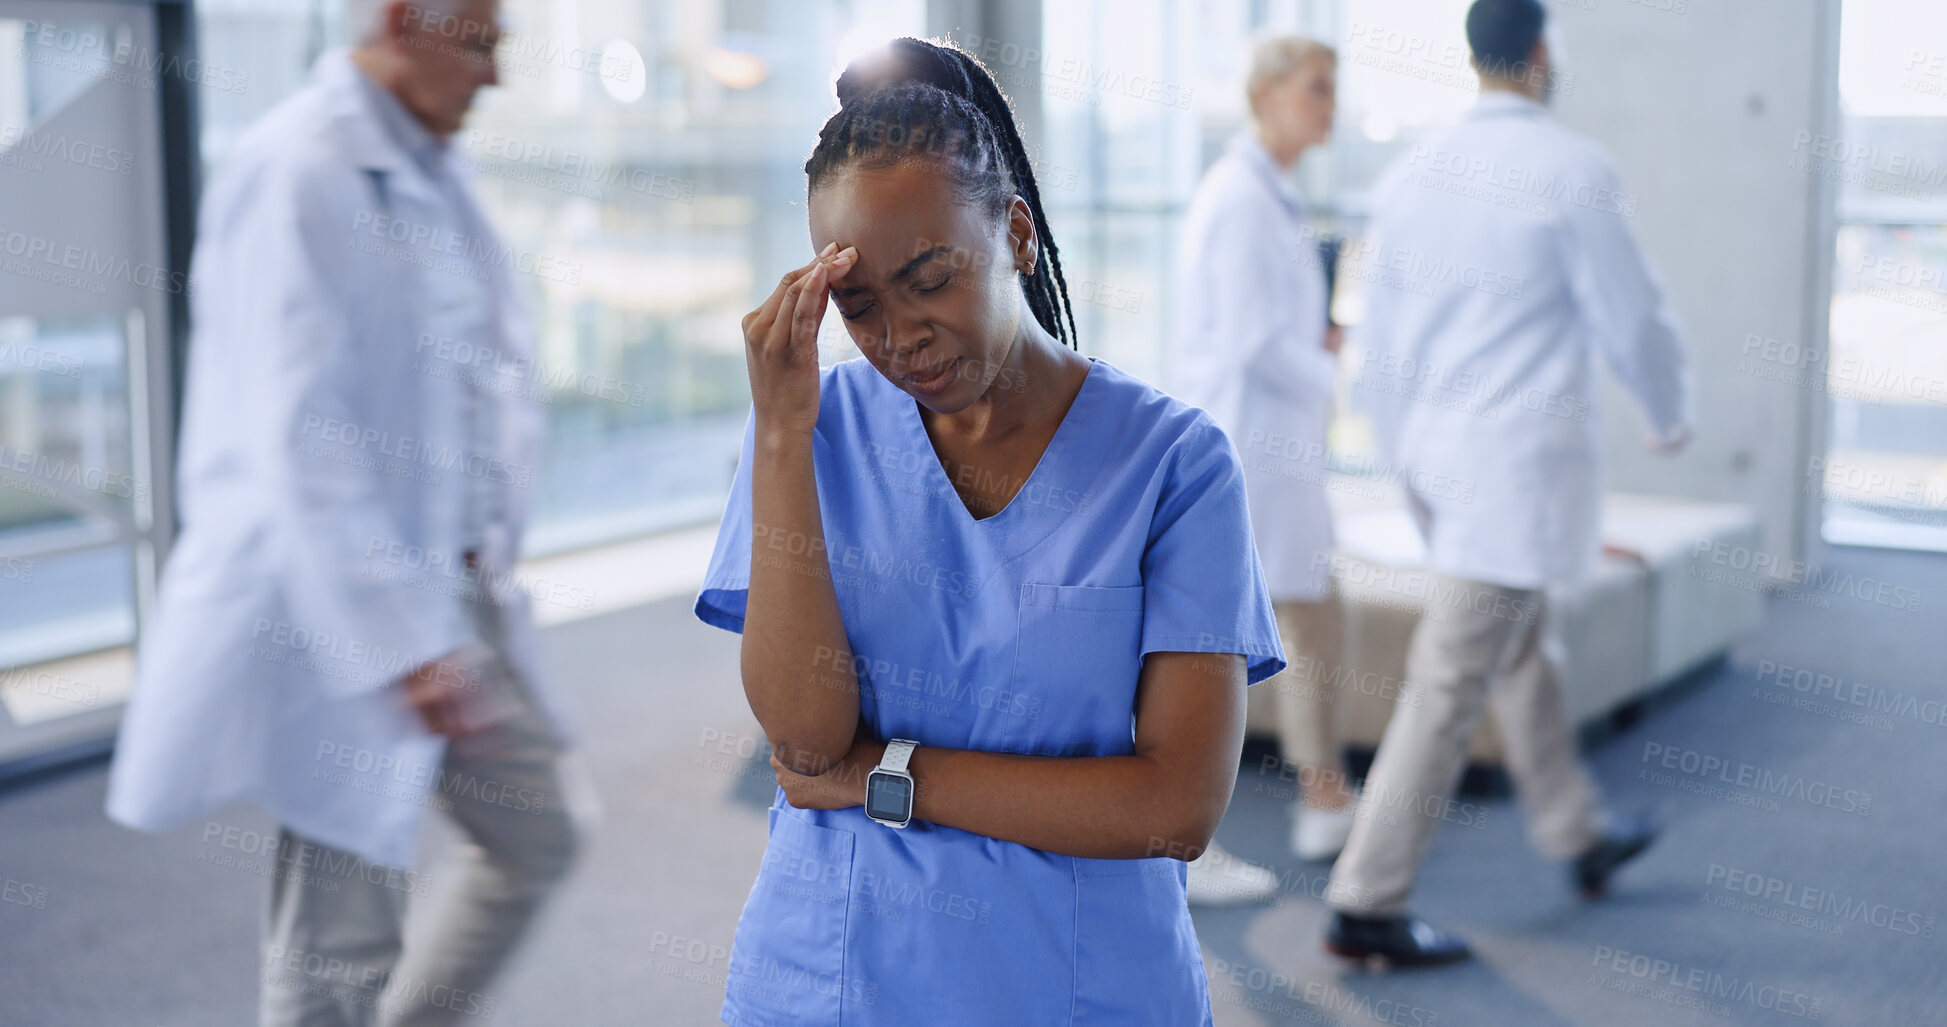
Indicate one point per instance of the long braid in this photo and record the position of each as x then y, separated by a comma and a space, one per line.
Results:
1053, 289
923, 99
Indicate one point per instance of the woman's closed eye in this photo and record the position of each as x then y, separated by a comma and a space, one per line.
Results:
944, 281
922, 288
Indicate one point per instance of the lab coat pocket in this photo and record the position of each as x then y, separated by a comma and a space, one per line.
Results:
1136, 956
1077, 655
787, 964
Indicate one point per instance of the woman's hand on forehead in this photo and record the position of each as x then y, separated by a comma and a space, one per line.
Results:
781, 342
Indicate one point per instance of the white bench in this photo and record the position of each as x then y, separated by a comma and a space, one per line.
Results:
1638, 622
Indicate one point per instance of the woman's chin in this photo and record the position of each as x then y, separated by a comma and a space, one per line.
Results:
952, 401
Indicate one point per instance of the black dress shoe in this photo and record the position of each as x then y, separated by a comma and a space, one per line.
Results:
1403, 940
1624, 841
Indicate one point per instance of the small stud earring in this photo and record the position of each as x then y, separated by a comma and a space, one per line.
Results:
1030, 271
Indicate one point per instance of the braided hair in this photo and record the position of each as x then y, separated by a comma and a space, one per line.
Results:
917, 99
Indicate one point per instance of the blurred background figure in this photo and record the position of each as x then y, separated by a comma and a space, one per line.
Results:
339, 637
642, 162
1549, 284
1251, 342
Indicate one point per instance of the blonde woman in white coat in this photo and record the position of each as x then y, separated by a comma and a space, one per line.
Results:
1251, 343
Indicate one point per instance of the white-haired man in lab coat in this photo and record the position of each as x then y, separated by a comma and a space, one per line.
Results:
1500, 266
339, 638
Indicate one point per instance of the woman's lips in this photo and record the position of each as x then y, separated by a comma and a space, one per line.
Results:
938, 383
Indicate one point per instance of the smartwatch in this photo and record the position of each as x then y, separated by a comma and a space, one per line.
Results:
889, 788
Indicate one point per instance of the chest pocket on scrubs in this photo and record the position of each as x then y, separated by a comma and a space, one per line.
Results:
787, 964
1074, 685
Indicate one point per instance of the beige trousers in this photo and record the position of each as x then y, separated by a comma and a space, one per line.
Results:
333, 945
1479, 644
1314, 641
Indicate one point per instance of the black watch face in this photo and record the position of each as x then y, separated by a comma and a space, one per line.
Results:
888, 797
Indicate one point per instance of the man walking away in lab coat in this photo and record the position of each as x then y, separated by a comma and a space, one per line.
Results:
1253, 344
339, 639
1500, 262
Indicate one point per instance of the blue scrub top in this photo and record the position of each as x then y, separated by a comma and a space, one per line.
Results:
1020, 632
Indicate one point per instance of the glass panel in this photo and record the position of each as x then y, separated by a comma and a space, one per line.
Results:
1883, 480
1884, 476
261, 51
657, 148
1888, 161
1118, 266
64, 432
1120, 100
81, 279
49, 64
65, 472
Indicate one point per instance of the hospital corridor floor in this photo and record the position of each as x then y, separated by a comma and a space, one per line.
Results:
161, 931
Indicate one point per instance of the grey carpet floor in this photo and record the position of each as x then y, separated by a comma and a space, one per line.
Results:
120, 928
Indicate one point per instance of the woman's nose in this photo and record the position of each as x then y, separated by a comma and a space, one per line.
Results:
905, 335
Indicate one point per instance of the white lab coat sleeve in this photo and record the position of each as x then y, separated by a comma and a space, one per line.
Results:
1623, 307
344, 584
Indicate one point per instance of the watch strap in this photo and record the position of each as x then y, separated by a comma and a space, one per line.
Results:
898, 751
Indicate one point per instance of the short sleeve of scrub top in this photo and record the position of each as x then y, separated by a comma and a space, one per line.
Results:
1202, 560
726, 584
1022, 631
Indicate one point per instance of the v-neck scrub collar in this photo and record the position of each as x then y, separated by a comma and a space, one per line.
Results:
1055, 452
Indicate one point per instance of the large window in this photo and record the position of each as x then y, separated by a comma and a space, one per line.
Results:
1884, 476
652, 147
85, 297
653, 150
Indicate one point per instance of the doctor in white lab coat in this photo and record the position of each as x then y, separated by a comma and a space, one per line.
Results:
339, 638
1251, 342
1500, 268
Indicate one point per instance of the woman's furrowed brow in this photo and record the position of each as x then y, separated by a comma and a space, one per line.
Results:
913, 265
905, 269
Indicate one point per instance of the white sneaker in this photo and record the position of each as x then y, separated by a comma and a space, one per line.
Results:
1319, 834
1218, 878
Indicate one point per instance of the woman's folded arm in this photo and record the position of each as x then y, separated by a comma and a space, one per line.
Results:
1165, 799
